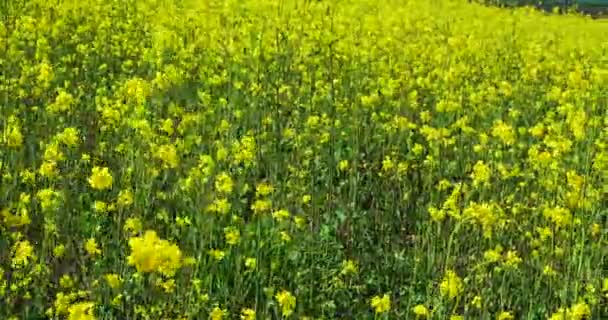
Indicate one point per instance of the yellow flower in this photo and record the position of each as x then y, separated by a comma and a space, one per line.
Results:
280, 215
100, 206
167, 154
125, 198
100, 178
343, 165
285, 237
481, 173
381, 304
306, 199
560, 314
549, 271
232, 235
12, 135
91, 247
387, 164
113, 280
23, 252
504, 132
49, 198
28, 177
505, 315
223, 183
261, 205
59, 251
437, 215
81, 311
421, 311
452, 285
493, 255
143, 252
133, 225
70, 137
287, 302
221, 206
48, 169
217, 254
512, 259
263, 189
168, 286
247, 314
66, 281
476, 302
53, 153
299, 221
580, 311
149, 253
561, 217
596, 229
250, 263
62, 104
349, 267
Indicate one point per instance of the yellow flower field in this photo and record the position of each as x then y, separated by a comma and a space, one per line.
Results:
300, 159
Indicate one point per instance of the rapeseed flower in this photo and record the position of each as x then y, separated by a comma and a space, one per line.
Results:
149, 253
381, 304
223, 183
81, 311
13, 138
168, 155
451, 286
250, 263
217, 313
217, 254
248, 314
481, 173
287, 302
113, 280
23, 252
264, 189
349, 267
232, 235
91, 247
505, 315
420, 311
100, 178
125, 198
281, 215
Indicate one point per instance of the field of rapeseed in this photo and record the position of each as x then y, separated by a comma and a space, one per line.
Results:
352, 159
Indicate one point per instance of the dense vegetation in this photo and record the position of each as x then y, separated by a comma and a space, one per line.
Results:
353, 159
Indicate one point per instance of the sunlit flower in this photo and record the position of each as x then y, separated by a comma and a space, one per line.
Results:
248, 314
81, 311
100, 178
113, 280
91, 247
381, 304
505, 315
349, 267
250, 263
149, 253
451, 286
421, 311
217, 313
22, 253
232, 235
287, 302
